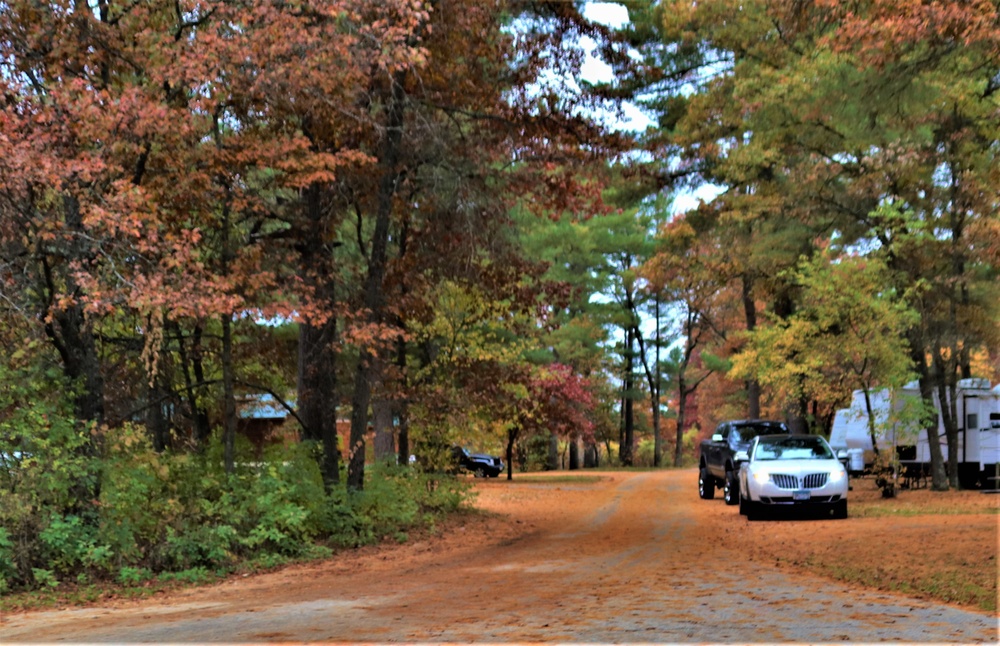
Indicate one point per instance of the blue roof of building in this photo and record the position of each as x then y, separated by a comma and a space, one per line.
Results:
263, 406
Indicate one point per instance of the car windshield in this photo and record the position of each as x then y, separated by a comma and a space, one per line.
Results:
793, 448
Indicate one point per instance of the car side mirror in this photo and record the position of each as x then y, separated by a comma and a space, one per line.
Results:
842, 454
741, 456
717, 437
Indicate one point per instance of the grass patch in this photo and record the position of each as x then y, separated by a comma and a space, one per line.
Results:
889, 510
951, 587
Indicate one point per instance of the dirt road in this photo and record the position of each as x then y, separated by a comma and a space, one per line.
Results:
622, 558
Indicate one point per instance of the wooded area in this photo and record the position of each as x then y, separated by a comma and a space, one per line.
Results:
417, 219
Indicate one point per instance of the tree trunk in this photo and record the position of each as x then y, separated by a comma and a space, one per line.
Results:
511, 438
192, 364
316, 387
385, 441
228, 395
681, 418
750, 314
574, 453
939, 479
871, 421
947, 395
70, 331
317, 360
156, 420
625, 453
374, 294
654, 393
552, 464
402, 407
74, 340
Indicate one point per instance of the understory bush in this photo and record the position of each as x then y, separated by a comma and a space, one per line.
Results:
125, 513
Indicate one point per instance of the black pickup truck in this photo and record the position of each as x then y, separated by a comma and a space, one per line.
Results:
719, 465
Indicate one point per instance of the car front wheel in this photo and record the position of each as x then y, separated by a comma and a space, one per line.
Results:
706, 485
480, 472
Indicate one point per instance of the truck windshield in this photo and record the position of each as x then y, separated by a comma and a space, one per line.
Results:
745, 434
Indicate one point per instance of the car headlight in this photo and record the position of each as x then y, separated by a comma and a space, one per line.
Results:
838, 475
761, 476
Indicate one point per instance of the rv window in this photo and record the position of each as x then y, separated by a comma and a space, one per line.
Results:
972, 421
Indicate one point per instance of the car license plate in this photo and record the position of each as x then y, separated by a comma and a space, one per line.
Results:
801, 494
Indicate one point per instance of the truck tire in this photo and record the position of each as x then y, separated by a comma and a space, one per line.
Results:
706, 484
731, 489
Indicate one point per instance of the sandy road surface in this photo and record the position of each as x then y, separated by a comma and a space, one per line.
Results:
628, 558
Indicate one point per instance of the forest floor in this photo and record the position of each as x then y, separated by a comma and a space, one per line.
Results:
603, 557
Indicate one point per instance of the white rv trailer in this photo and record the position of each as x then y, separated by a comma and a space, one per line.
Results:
978, 413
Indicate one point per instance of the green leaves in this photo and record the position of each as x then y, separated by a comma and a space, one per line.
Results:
848, 332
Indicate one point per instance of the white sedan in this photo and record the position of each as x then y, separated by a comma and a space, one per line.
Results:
798, 472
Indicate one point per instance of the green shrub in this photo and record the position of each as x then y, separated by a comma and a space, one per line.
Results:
191, 547
139, 497
192, 576
7, 570
68, 544
281, 508
158, 513
49, 475
129, 575
44, 578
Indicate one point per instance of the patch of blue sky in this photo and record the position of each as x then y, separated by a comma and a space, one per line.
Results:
631, 117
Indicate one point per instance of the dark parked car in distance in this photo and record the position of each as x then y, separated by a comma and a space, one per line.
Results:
479, 464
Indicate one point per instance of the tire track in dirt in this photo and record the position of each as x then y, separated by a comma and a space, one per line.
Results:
626, 559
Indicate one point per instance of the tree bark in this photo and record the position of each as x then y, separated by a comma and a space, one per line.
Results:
948, 406
402, 408
228, 395
750, 316
511, 438
872, 431
552, 464
385, 441
192, 364
317, 360
374, 289
625, 454
939, 479
74, 339
681, 417
317, 393
574, 453
69, 330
